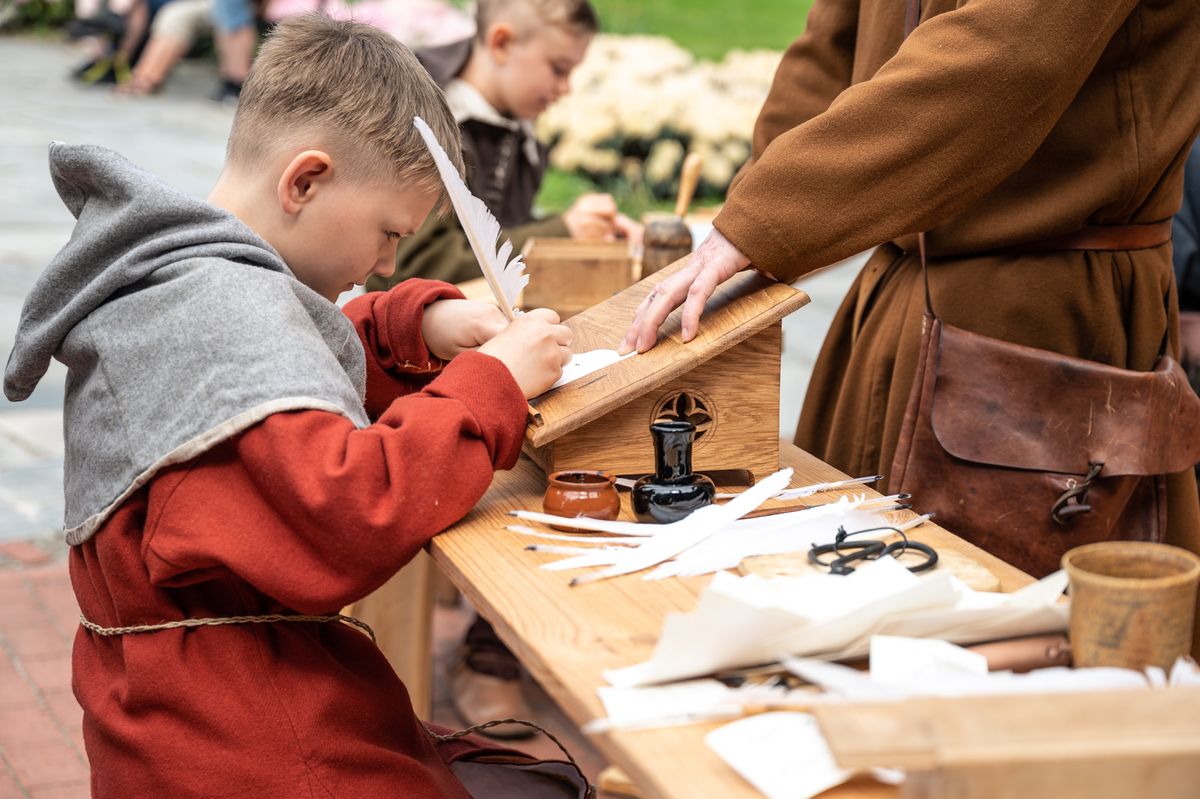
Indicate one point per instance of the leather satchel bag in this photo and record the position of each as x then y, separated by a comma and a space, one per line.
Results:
1028, 453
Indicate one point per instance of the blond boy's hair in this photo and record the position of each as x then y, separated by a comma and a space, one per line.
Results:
349, 88
575, 16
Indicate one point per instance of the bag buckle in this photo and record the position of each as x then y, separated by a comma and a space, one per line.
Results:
1064, 511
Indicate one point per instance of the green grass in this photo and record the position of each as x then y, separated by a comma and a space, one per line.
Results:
709, 28
559, 190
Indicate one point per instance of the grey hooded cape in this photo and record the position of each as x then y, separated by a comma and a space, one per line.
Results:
179, 327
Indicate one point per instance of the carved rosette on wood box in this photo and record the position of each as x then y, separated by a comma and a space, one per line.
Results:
725, 381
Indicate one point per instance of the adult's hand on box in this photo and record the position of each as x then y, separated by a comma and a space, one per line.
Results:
714, 261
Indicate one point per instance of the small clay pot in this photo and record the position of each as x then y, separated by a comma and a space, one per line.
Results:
592, 495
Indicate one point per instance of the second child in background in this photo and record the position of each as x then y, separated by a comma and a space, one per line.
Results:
497, 83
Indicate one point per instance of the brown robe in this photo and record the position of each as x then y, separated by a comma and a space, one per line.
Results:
996, 122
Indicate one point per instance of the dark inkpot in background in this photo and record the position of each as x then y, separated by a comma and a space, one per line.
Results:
672, 492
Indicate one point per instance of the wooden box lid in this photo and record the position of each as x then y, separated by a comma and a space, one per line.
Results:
739, 308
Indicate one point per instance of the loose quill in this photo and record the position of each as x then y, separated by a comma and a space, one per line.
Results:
506, 278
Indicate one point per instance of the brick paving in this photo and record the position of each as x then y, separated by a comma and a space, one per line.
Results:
41, 747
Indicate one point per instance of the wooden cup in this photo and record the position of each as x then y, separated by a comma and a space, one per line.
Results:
1132, 603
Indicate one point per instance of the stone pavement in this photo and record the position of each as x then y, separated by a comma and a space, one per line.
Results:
179, 136
41, 746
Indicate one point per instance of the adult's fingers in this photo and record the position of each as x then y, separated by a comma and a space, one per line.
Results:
665, 298
629, 341
698, 293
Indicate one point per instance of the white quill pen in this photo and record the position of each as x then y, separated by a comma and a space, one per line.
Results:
506, 278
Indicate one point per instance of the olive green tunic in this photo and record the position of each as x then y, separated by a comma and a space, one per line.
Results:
996, 122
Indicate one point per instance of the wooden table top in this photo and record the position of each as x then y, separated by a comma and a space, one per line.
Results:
567, 637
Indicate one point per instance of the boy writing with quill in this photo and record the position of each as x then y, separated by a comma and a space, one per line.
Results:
221, 410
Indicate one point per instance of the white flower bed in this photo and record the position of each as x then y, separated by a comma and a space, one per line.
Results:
639, 103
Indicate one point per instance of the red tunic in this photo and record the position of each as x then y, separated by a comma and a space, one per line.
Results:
301, 513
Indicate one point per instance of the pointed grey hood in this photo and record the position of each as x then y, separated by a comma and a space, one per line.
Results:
179, 327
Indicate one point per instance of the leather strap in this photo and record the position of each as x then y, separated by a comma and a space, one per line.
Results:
912, 15
1102, 237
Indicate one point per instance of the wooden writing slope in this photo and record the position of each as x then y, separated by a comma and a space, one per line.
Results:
726, 381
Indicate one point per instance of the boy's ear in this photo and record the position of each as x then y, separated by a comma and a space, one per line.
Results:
500, 36
302, 178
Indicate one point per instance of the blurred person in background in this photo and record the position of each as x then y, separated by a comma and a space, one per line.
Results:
497, 83
172, 34
112, 33
236, 35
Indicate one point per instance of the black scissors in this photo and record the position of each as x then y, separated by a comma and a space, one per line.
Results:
848, 552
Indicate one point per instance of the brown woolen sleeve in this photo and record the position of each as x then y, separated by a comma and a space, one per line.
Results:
815, 69
964, 103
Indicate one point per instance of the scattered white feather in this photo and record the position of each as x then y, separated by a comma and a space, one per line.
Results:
588, 541
688, 532
590, 525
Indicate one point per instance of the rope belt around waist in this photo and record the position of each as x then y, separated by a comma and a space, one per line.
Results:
266, 618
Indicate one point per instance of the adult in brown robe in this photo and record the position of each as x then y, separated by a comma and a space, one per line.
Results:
996, 122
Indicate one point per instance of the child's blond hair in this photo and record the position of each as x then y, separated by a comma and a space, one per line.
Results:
575, 16
349, 88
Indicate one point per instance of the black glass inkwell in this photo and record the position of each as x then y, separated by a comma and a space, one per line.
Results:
672, 492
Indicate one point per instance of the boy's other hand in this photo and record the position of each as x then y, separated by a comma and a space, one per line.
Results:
628, 229
535, 348
452, 326
592, 216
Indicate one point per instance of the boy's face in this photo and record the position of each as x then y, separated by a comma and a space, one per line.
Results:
349, 231
533, 71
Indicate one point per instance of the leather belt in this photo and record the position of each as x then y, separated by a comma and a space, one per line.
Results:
1102, 237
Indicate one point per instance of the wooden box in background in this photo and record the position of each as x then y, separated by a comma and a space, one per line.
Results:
1111, 745
726, 381
571, 276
